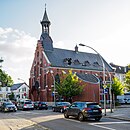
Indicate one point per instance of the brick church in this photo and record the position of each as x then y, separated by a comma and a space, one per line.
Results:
50, 62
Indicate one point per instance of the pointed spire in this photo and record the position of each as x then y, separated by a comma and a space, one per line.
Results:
45, 17
45, 22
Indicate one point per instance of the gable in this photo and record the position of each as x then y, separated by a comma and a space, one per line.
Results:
17, 86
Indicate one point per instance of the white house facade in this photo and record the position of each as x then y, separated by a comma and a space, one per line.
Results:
5, 92
20, 90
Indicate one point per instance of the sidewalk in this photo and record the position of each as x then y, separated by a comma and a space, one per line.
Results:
121, 112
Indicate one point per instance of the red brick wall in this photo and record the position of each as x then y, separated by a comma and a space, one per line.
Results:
91, 92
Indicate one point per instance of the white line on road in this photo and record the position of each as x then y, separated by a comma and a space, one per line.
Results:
103, 127
73, 120
107, 123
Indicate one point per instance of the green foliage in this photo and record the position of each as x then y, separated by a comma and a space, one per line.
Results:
5, 79
117, 87
11, 96
69, 86
127, 80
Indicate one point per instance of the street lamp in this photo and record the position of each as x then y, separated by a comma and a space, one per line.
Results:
52, 73
110, 90
103, 74
21, 79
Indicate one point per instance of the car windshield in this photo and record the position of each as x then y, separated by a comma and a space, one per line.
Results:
93, 106
43, 103
9, 103
66, 103
28, 102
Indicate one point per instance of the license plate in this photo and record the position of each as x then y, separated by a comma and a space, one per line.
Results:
95, 110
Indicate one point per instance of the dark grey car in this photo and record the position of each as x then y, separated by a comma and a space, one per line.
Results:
82, 110
60, 106
8, 106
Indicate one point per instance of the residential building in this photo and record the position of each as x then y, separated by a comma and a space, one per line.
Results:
49, 64
120, 72
5, 92
20, 90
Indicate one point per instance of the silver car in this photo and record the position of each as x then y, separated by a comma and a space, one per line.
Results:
26, 105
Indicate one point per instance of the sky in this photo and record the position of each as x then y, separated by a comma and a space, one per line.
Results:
101, 24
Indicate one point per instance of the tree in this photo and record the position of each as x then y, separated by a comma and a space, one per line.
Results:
127, 80
69, 86
5, 79
11, 96
117, 87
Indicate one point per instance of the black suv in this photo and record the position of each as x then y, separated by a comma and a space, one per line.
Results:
82, 110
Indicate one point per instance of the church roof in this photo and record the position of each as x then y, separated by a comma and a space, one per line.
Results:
80, 60
47, 42
68, 58
88, 78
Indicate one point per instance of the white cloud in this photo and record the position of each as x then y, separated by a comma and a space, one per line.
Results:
17, 49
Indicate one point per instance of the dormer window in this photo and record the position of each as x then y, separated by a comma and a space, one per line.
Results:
86, 63
96, 64
76, 62
65, 60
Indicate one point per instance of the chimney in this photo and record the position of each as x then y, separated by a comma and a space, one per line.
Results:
76, 49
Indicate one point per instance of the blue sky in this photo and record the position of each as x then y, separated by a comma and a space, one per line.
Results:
101, 24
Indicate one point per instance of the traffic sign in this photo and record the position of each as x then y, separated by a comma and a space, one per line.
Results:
105, 91
104, 86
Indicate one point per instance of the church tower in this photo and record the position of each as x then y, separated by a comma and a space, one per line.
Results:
45, 23
45, 38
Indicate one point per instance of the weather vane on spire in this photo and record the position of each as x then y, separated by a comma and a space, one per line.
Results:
45, 6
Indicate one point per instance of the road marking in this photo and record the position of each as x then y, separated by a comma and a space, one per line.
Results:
73, 120
98, 124
105, 123
102, 127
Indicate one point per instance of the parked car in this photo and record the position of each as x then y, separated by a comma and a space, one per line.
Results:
60, 106
8, 106
36, 104
82, 110
40, 105
25, 105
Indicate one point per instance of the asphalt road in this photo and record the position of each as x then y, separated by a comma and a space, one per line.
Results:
56, 121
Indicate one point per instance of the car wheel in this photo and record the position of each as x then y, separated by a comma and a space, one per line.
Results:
80, 117
53, 109
97, 118
66, 115
61, 110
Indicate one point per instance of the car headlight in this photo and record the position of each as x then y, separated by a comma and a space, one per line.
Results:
6, 108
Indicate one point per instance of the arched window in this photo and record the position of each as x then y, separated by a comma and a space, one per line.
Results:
57, 78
